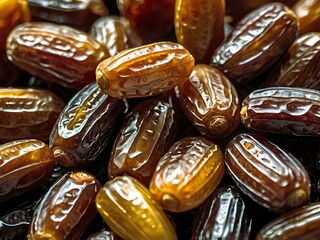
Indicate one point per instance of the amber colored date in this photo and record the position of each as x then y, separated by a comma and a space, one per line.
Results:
24, 165
148, 132
210, 101
129, 209
256, 42
85, 127
269, 175
67, 209
199, 26
300, 223
187, 174
284, 110
56, 53
145, 71
116, 33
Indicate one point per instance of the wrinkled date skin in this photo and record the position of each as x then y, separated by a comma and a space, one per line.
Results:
256, 42
75, 13
223, 209
284, 110
85, 127
151, 19
146, 135
14, 225
199, 26
104, 235
210, 101
67, 209
24, 165
129, 210
28, 113
269, 175
300, 65
300, 223
116, 33
187, 174
56, 53
145, 71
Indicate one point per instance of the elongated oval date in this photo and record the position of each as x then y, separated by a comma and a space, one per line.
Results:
210, 101
128, 208
284, 110
145, 71
299, 66
115, 33
199, 26
256, 42
28, 113
146, 135
24, 165
223, 216
14, 225
300, 223
67, 209
85, 126
308, 15
56, 53
187, 174
269, 175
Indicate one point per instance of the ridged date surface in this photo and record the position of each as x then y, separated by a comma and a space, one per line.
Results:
146, 135
308, 15
67, 209
28, 113
130, 211
24, 165
269, 175
14, 225
115, 33
222, 216
56, 53
145, 71
85, 126
300, 65
187, 174
199, 26
210, 101
285, 110
300, 223
256, 42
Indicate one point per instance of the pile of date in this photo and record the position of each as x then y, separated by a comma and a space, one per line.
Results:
159, 119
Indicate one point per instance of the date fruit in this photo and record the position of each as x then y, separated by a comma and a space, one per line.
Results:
14, 225
145, 71
187, 174
269, 175
128, 208
210, 101
56, 53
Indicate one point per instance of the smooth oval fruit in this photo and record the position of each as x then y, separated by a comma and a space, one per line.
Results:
199, 26
145, 71
284, 110
56, 53
256, 42
128, 208
210, 101
187, 174
24, 165
85, 126
67, 209
269, 175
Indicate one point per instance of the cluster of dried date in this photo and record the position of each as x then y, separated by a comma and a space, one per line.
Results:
159, 119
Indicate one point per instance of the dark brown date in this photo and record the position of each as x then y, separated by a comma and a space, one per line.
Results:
210, 101
104, 235
56, 53
285, 110
146, 135
67, 209
24, 165
269, 175
256, 42
15, 225
85, 127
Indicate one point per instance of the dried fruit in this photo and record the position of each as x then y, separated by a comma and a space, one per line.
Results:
14, 225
